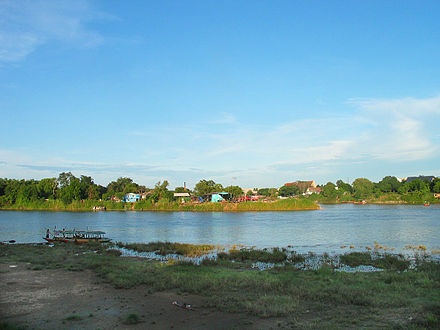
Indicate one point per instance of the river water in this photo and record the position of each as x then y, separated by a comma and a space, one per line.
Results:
325, 230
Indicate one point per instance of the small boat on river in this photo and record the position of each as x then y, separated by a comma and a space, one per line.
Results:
76, 236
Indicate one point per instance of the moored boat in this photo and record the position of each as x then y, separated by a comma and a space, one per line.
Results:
76, 236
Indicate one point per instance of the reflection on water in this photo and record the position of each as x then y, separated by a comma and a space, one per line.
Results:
319, 231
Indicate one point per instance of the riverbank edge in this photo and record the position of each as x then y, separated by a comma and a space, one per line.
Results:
159, 210
377, 203
359, 299
215, 207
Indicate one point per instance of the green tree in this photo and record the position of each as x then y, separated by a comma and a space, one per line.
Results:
64, 179
47, 188
161, 191
344, 187
235, 191
12, 189
71, 192
264, 191
288, 191
435, 185
204, 187
28, 191
119, 185
182, 190
419, 185
363, 188
389, 184
329, 190
3, 184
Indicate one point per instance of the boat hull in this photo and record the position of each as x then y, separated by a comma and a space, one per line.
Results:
77, 240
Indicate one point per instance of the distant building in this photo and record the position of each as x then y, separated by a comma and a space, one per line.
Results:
313, 190
216, 197
302, 185
246, 190
132, 197
184, 194
308, 183
421, 177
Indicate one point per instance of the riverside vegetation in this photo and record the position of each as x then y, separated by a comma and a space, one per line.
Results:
398, 297
70, 193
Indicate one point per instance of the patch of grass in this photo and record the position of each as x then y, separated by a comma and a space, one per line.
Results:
113, 252
8, 326
164, 248
274, 256
73, 317
385, 261
272, 305
132, 318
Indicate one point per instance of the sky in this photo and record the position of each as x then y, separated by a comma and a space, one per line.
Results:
248, 93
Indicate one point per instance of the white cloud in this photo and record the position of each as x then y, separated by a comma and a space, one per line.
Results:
401, 128
25, 25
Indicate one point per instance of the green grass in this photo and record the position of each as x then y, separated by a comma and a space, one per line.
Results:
132, 318
274, 256
385, 261
73, 317
164, 248
304, 299
8, 326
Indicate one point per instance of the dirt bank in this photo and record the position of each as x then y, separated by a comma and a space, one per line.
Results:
60, 299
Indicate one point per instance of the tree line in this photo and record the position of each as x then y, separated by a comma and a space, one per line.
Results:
68, 188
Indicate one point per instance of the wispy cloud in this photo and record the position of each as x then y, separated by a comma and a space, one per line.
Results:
401, 127
27, 24
376, 132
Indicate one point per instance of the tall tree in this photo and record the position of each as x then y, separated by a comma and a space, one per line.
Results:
363, 188
329, 190
389, 184
204, 187
344, 187
288, 191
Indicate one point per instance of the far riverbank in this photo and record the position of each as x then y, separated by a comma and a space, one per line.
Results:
291, 204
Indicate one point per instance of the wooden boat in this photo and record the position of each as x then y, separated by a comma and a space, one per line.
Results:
361, 202
76, 236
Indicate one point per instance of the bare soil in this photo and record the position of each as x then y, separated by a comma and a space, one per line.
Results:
60, 299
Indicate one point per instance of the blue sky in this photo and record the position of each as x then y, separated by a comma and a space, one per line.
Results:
249, 93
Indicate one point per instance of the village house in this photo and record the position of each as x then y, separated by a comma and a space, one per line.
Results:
302, 185
428, 178
131, 198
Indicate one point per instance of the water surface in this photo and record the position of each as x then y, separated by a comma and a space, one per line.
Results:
324, 230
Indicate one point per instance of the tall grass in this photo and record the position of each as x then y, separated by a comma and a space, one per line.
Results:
164, 248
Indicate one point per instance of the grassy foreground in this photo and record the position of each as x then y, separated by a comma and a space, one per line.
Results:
305, 299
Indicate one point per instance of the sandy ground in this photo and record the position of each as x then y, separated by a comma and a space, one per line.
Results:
44, 299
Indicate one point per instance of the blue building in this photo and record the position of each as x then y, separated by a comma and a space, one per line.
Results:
132, 198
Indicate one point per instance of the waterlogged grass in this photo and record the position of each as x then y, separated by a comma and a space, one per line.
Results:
303, 299
274, 256
164, 248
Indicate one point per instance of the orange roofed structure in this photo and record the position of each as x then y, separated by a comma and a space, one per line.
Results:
302, 185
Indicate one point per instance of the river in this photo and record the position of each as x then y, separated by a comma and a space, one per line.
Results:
324, 230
